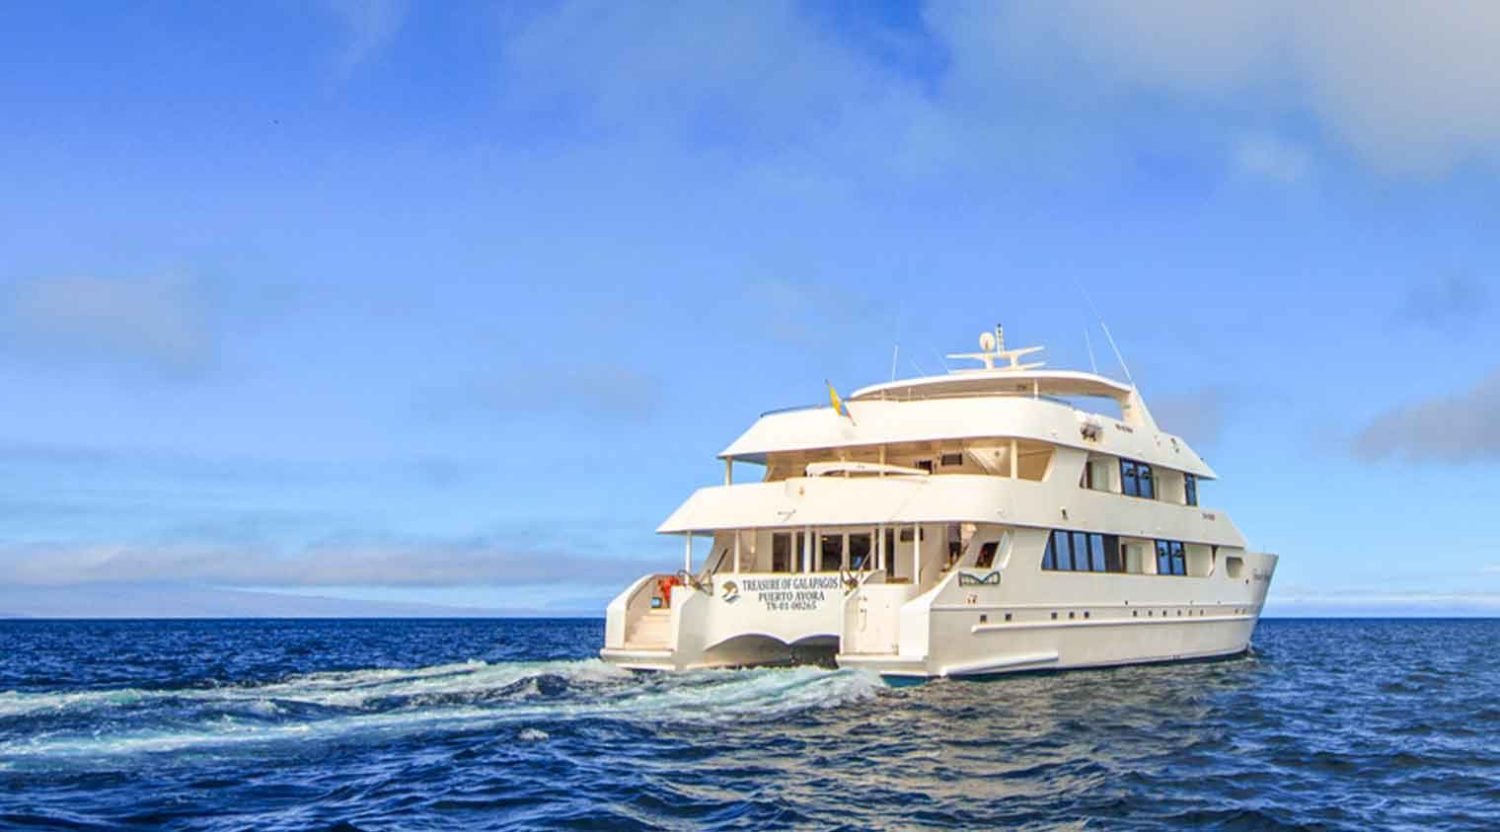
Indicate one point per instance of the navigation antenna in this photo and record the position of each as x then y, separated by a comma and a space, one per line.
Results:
992, 347
1104, 326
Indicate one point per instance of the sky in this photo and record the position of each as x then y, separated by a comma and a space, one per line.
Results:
450, 304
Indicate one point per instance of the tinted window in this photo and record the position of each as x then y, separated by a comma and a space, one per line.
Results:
1049, 558
1113, 561
781, 553
1190, 486
1064, 551
1179, 559
1147, 487
1096, 552
1163, 558
1129, 482
1080, 552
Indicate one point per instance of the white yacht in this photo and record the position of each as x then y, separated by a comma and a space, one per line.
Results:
997, 519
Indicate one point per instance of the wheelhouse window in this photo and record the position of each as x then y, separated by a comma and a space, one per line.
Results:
1137, 480
1070, 551
1190, 489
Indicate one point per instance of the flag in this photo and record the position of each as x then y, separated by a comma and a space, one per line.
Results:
833, 397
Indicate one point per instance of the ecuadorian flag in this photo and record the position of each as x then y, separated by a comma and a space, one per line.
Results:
833, 398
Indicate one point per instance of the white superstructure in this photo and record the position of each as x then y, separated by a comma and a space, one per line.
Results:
979, 522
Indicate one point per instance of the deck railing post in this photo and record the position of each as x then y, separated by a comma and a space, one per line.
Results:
687, 553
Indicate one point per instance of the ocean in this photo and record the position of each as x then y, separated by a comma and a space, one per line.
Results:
514, 724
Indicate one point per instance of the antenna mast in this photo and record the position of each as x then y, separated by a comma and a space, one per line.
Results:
1104, 326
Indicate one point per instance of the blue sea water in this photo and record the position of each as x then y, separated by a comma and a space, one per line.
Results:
342, 725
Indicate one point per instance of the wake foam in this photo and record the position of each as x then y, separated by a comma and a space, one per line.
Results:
384, 702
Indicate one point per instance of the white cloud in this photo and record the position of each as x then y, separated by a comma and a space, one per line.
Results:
369, 25
412, 564
1409, 88
1197, 417
156, 320
1459, 428
1269, 157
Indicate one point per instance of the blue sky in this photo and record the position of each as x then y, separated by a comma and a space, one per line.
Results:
452, 303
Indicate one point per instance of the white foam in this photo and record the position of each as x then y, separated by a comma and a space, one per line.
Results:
596, 690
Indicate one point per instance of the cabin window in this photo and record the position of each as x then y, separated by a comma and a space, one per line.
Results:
925, 465
1171, 558
1069, 551
859, 551
1087, 481
949, 460
1137, 480
1114, 556
1190, 489
830, 552
986, 557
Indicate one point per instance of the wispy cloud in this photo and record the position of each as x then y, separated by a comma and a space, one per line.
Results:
809, 312
1444, 301
1198, 417
369, 26
407, 563
589, 391
1457, 428
1266, 156
1344, 64
157, 321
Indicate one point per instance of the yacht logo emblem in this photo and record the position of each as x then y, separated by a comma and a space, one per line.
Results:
987, 579
731, 592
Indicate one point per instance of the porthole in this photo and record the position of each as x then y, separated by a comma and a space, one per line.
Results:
1054, 616
1071, 615
1085, 613
1007, 616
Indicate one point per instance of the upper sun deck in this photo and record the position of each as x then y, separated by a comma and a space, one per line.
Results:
1014, 400
997, 382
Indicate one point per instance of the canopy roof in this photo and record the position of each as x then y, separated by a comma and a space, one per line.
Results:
999, 381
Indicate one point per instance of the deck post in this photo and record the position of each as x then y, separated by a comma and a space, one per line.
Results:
687, 553
880, 554
916, 553
807, 548
728, 471
1015, 448
737, 551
